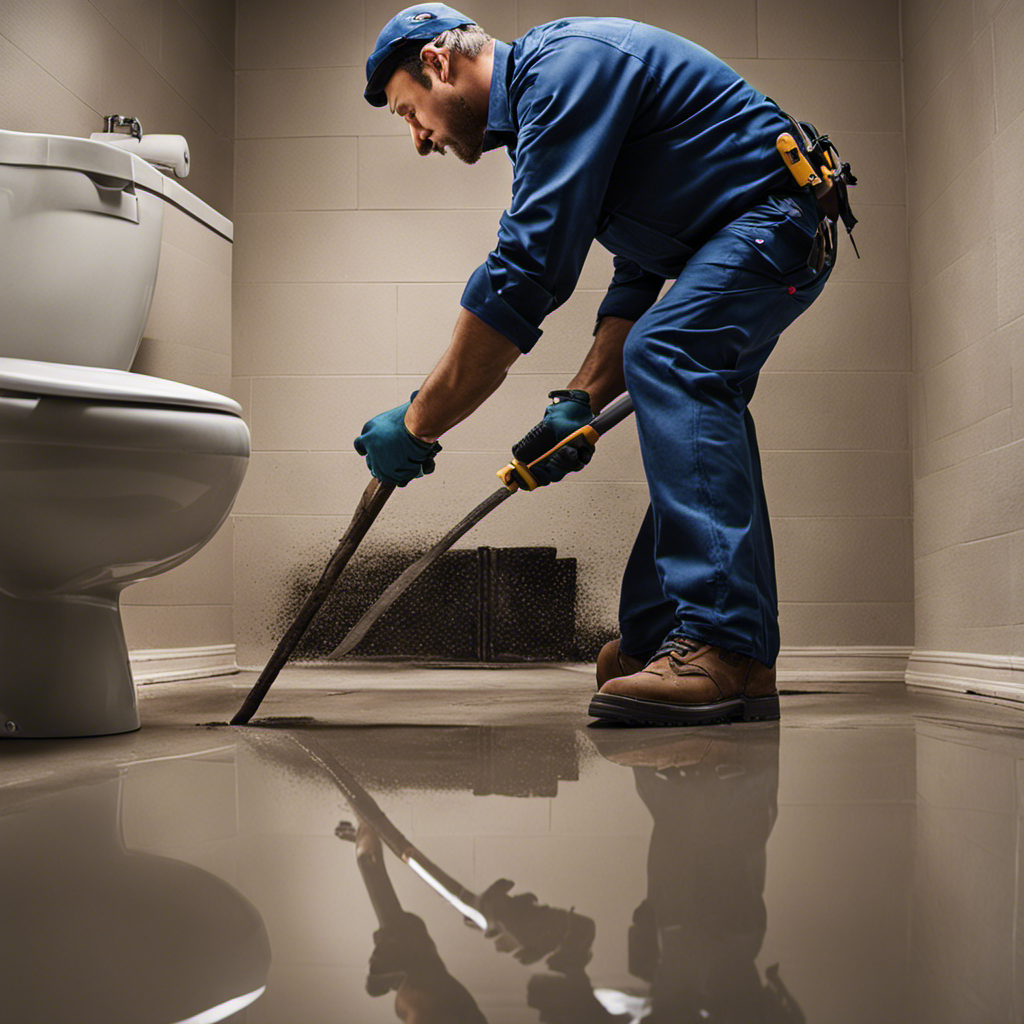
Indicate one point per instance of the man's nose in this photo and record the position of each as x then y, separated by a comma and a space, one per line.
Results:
421, 139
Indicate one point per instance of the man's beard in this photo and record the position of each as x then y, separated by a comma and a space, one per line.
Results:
465, 131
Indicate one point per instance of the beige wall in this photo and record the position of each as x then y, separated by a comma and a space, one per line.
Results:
833, 403
965, 144
187, 339
63, 65
351, 254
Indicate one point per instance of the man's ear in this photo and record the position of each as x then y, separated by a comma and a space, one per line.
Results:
438, 59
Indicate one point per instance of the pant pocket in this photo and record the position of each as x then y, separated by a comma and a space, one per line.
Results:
781, 232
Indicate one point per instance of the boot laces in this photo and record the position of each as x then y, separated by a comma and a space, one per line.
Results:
677, 645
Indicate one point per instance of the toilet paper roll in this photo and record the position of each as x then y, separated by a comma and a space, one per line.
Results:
168, 152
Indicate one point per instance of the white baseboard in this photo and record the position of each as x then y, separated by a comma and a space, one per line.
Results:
795, 665
990, 675
842, 664
165, 665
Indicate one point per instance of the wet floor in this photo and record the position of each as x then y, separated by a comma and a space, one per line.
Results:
465, 847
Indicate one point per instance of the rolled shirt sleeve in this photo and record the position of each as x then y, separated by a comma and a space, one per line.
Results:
573, 101
632, 292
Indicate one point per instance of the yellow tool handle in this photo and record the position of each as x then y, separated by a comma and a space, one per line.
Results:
517, 473
798, 164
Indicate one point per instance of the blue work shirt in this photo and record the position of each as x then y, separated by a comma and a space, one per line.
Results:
621, 132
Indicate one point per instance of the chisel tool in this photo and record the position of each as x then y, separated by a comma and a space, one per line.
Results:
513, 476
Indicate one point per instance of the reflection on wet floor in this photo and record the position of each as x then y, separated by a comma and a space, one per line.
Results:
90, 926
461, 875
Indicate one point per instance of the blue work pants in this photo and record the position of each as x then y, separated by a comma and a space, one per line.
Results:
703, 564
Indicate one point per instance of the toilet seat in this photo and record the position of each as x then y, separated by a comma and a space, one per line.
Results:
98, 384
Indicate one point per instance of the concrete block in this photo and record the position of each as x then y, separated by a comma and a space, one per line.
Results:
314, 34
728, 30
316, 414
793, 28
275, 175
393, 176
310, 328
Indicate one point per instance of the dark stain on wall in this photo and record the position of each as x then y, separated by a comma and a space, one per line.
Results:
474, 605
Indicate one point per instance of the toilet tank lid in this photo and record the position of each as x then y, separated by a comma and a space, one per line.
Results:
98, 384
71, 153
67, 151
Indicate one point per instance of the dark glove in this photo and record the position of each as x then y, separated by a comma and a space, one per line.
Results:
398, 948
569, 411
392, 453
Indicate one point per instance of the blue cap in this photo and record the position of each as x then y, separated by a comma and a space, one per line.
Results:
422, 22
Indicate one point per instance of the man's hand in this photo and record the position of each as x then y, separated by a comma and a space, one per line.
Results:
392, 453
568, 411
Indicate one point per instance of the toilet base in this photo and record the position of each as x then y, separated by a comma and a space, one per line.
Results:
64, 668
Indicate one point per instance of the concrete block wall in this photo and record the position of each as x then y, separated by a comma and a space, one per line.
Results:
181, 623
351, 254
965, 135
64, 64
833, 400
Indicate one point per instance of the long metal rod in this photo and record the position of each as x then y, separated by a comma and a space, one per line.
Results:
370, 504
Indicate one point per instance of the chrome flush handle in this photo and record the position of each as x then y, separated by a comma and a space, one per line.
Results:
113, 121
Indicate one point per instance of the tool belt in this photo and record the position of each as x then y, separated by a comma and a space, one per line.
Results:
814, 162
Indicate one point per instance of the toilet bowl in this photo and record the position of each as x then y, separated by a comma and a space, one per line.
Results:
106, 476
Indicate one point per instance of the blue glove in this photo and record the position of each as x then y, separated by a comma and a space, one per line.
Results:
392, 453
569, 411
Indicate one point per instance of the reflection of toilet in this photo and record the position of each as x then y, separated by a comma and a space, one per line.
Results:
94, 931
106, 477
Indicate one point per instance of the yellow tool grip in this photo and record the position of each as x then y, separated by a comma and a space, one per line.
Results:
517, 474
793, 157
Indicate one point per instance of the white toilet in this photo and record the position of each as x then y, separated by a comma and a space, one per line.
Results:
106, 477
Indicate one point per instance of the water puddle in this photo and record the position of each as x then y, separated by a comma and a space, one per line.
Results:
461, 875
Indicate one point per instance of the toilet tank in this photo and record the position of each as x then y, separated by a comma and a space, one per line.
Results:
80, 230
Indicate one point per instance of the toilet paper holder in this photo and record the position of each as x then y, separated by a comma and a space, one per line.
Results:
167, 152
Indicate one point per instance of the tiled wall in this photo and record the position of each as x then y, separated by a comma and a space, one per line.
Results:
965, 143
63, 65
833, 403
351, 254
187, 339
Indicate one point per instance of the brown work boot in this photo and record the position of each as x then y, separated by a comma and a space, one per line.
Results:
611, 663
689, 682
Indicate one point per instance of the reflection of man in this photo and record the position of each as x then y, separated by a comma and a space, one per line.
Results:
404, 959
696, 935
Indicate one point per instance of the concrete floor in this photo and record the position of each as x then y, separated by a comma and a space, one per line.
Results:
858, 862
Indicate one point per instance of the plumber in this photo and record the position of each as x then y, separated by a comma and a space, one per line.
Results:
645, 141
